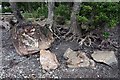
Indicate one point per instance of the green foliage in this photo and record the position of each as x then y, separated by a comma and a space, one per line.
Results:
27, 6
113, 23
42, 11
63, 10
82, 19
106, 35
5, 4
0, 10
99, 14
6, 9
27, 15
95, 14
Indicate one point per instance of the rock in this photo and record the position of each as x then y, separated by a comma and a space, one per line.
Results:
29, 38
70, 53
25, 39
77, 59
31, 43
45, 44
107, 57
5, 25
48, 60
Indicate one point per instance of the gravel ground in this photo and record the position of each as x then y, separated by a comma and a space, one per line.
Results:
16, 66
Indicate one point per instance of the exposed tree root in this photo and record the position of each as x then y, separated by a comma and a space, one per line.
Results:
56, 35
106, 42
87, 41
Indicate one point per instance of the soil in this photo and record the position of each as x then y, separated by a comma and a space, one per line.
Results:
16, 66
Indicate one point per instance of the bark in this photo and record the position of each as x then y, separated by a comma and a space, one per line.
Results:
118, 52
118, 38
74, 24
50, 14
29, 7
16, 11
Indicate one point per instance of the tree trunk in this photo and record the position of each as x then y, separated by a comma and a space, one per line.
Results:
50, 14
74, 24
16, 11
29, 7
118, 52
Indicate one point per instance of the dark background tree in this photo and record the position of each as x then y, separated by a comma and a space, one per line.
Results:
50, 14
16, 11
73, 23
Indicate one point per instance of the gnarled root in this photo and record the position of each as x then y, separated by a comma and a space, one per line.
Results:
87, 41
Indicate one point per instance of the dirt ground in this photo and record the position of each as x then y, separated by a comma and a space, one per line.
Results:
16, 66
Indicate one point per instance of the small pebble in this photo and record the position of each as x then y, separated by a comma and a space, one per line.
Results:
50, 72
20, 71
25, 76
94, 68
38, 59
56, 48
56, 77
98, 75
73, 69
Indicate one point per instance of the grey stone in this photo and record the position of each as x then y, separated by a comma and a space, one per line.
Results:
5, 24
107, 57
77, 59
48, 60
